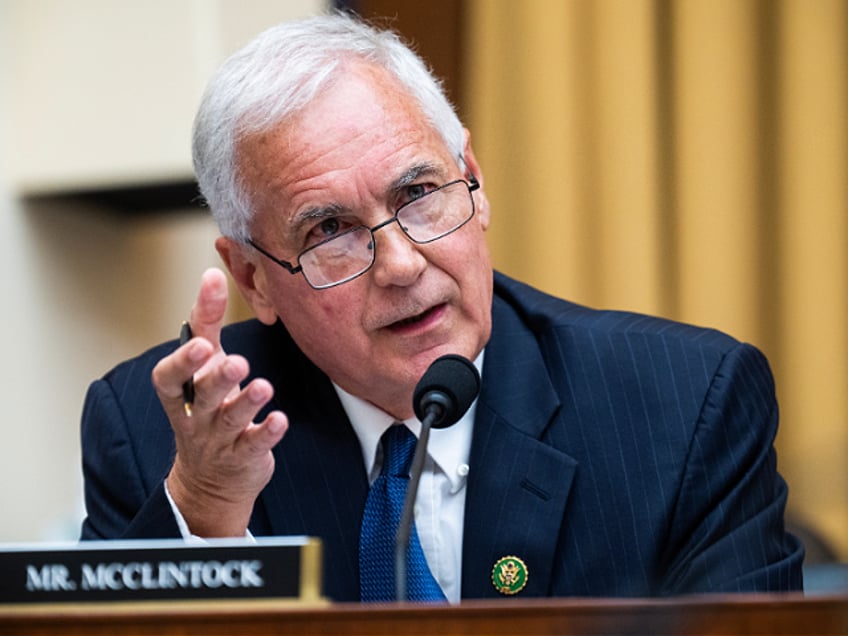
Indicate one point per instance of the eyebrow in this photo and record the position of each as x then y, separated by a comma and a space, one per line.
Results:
414, 173
316, 213
321, 212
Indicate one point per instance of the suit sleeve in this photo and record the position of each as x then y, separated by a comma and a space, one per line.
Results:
727, 534
124, 498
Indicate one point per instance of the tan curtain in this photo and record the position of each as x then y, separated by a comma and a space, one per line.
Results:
686, 158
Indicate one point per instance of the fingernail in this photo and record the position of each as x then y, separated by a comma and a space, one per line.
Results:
232, 371
275, 426
255, 393
196, 351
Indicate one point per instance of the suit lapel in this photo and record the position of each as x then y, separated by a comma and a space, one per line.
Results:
516, 499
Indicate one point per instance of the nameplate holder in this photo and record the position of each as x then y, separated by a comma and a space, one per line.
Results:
283, 568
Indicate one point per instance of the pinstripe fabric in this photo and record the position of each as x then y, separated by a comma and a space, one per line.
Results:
617, 454
666, 482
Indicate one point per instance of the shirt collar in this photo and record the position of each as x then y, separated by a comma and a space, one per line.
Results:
448, 447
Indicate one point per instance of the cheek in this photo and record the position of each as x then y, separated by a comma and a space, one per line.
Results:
477, 277
474, 256
314, 314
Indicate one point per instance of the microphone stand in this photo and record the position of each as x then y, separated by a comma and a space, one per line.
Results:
434, 413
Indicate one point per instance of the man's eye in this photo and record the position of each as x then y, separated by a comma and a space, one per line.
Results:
416, 191
327, 228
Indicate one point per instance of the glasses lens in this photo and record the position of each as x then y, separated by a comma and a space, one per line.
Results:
437, 213
338, 259
425, 219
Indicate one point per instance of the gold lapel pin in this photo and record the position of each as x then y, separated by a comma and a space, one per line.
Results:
509, 576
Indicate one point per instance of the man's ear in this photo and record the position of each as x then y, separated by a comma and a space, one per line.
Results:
481, 202
249, 278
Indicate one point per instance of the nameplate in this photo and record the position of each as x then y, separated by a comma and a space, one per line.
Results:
156, 570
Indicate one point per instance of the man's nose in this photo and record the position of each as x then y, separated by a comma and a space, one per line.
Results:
397, 260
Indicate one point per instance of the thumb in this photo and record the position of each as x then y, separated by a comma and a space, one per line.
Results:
207, 314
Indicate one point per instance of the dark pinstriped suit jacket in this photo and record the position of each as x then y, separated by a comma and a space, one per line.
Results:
616, 454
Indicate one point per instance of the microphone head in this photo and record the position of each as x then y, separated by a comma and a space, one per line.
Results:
447, 387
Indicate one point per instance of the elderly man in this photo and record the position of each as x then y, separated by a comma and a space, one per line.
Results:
607, 454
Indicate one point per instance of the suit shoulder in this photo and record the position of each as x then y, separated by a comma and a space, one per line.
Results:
547, 314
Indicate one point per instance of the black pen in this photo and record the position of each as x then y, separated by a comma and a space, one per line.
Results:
188, 385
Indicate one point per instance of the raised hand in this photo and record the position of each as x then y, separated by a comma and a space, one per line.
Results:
223, 458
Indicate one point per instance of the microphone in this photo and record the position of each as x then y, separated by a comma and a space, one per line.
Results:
441, 398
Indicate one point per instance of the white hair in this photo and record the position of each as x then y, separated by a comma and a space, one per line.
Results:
276, 75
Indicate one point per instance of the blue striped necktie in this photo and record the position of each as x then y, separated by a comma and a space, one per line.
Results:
379, 525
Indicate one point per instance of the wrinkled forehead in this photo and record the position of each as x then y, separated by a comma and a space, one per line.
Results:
354, 83
362, 133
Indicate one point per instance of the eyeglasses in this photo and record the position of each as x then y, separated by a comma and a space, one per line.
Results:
341, 258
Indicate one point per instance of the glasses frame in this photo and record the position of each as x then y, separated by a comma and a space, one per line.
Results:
472, 184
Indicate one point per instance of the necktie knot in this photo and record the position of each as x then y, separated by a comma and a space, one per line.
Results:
398, 448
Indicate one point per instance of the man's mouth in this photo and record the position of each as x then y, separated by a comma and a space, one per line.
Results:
415, 320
